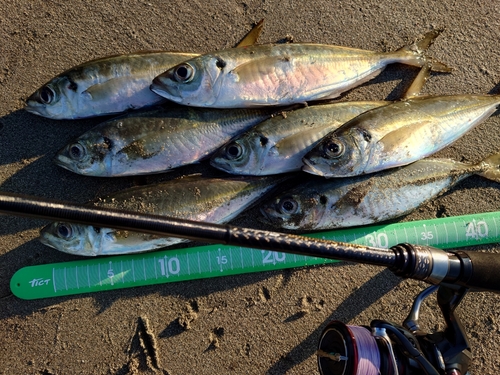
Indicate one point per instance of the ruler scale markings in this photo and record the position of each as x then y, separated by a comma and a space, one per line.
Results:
156, 272
396, 235
88, 275
99, 273
144, 269
65, 279
433, 232
54, 279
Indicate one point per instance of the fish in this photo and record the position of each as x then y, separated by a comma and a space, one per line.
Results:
398, 134
281, 74
212, 200
155, 141
323, 203
277, 145
110, 85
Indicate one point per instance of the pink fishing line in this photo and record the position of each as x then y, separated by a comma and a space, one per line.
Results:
367, 349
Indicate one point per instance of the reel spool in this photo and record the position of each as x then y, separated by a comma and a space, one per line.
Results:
391, 349
354, 350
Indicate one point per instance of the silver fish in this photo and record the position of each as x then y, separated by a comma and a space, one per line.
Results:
109, 85
280, 74
398, 134
213, 200
345, 202
278, 145
155, 141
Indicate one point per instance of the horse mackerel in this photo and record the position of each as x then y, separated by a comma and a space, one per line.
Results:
213, 200
110, 85
281, 74
334, 203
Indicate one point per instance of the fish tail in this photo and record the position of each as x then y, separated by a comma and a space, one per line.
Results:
414, 54
492, 168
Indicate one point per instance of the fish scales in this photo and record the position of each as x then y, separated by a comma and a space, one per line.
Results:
361, 200
104, 86
280, 74
278, 144
111, 84
215, 200
155, 141
398, 134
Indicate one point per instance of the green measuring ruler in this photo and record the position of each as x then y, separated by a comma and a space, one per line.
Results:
126, 271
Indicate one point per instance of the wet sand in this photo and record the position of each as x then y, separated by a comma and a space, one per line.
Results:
255, 323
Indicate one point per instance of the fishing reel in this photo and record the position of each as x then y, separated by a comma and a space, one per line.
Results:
391, 349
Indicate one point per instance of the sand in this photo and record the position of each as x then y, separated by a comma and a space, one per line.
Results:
257, 323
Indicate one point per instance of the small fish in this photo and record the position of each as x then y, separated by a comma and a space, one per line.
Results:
278, 145
398, 134
345, 202
109, 85
212, 200
281, 74
155, 141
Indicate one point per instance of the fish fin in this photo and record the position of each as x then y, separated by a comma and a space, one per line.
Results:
403, 134
492, 171
102, 91
414, 54
302, 140
139, 150
419, 82
252, 36
259, 67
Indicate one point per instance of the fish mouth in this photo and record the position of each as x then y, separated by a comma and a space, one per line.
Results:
45, 239
162, 88
65, 162
309, 167
221, 164
33, 107
267, 212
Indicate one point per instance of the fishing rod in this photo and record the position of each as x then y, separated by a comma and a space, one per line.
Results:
383, 347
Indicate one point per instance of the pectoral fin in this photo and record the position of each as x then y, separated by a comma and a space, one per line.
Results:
404, 135
257, 68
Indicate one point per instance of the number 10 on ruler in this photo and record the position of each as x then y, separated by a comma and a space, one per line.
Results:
169, 266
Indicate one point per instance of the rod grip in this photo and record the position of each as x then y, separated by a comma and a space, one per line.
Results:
485, 270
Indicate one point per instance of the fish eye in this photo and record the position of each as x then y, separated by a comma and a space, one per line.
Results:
333, 148
184, 73
77, 151
288, 205
46, 95
234, 151
64, 231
